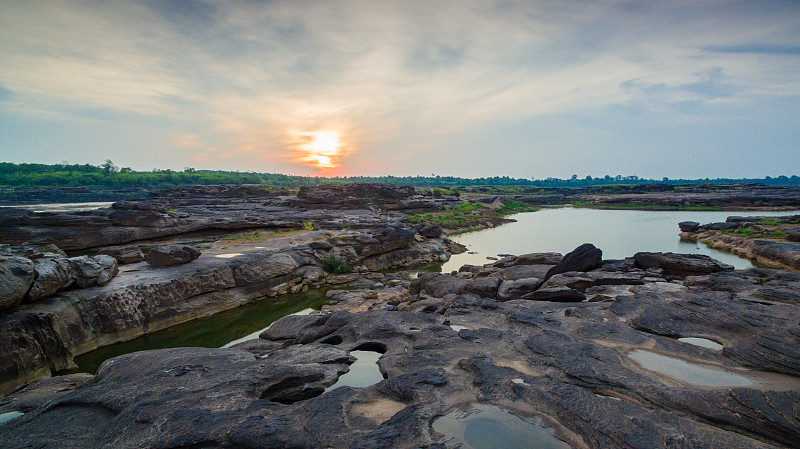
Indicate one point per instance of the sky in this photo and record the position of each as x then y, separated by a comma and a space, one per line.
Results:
472, 88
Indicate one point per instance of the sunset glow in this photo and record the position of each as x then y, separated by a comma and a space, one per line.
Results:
322, 150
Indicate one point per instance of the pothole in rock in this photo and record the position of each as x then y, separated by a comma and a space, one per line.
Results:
709, 375
457, 327
364, 371
702, 342
482, 426
8, 416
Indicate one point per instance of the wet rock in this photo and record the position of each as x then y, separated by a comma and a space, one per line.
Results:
689, 226
166, 255
680, 264
583, 258
16, 278
123, 254
52, 274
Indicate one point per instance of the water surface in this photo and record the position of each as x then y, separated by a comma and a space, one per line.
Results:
63, 207
482, 426
363, 372
619, 233
220, 330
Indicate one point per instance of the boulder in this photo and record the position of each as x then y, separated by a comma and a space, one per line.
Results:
165, 255
88, 271
689, 226
515, 289
16, 277
680, 264
52, 274
538, 259
583, 258
123, 254
430, 231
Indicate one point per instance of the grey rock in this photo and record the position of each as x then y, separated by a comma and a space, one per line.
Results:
689, 226
88, 271
515, 289
16, 278
123, 254
556, 294
583, 258
52, 275
166, 255
680, 264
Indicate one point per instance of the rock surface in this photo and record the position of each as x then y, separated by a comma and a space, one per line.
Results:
126, 254
582, 258
581, 368
166, 255
680, 264
16, 277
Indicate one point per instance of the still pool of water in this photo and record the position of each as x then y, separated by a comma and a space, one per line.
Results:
363, 372
702, 342
619, 233
693, 373
220, 330
482, 426
8, 416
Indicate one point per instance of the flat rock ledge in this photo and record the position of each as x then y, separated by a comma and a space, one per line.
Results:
597, 372
37, 339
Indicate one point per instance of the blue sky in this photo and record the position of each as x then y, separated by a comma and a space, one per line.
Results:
452, 87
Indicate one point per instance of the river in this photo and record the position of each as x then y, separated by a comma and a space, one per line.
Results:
619, 233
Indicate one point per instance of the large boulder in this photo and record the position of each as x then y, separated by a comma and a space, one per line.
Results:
509, 289
680, 264
123, 254
89, 271
165, 255
583, 258
52, 274
689, 226
16, 277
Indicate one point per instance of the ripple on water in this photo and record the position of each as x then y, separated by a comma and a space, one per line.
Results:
702, 342
482, 426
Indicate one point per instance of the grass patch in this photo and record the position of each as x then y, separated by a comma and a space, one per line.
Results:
308, 226
779, 234
246, 236
336, 265
466, 217
768, 222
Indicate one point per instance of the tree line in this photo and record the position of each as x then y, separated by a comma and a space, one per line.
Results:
108, 175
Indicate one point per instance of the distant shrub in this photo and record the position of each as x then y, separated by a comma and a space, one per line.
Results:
336, 265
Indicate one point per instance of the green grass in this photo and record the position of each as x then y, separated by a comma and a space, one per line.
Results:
246, 236
768, 222
468, 216
740, 231
779, 234
336, 265
308, 226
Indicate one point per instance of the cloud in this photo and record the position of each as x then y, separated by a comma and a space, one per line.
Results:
396, 80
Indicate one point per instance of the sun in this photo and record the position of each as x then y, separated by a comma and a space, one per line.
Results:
322, 149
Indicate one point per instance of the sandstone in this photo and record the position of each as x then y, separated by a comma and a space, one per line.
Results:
166, 255
582, 258
680, 264
52, 275
88, 271
16, 277
124, 255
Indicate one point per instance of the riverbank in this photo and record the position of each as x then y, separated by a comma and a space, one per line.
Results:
770, 241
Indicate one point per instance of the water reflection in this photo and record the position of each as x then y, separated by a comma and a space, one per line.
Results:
482, 426
363, 372
217, 331
619, 233
702, 342
8, 416
688, 372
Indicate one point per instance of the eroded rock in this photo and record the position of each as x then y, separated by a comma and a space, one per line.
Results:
166, 255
